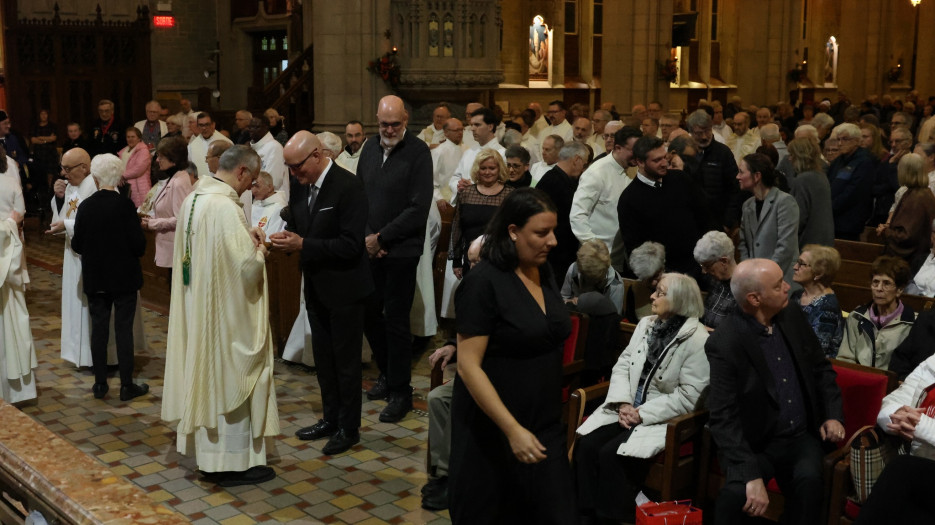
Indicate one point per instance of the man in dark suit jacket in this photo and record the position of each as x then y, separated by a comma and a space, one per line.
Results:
109, 238
560, 183
328, 215
773, 400
396, 170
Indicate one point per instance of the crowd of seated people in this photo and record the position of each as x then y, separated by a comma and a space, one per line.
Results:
720, 221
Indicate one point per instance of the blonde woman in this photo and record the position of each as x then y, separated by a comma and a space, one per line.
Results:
476, 205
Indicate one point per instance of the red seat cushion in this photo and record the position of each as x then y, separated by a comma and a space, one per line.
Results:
568, 351
862, 394
851, 509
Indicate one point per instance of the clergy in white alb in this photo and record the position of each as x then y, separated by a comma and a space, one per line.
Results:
267, 206
354, 137
551, 145
76, 318
17, 352
594, 206
270, 152
445, 159
219, 352
198, 145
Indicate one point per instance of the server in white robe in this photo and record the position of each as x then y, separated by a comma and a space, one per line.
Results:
270, 151
219, 352
17, 352
267, 205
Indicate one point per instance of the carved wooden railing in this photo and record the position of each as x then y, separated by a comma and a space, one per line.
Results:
291, 93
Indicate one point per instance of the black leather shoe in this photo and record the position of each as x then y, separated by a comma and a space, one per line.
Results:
379, 390
341, 440
128, 392
398, 406
435, 494
252, 476
100, 390
319, 430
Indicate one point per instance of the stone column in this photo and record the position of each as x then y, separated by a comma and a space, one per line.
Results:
347, 35
633, 51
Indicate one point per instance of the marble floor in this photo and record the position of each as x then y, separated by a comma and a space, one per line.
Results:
378, 481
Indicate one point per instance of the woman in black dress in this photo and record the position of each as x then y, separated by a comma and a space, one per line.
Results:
508, 462
476, 205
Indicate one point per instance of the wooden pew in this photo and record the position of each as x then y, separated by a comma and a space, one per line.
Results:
41, 471
856, 273
850, 297
858, 251
283, 277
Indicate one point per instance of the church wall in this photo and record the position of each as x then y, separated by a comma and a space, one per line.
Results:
180, 54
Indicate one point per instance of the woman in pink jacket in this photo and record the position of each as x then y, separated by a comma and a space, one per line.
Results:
172, 158
136, 162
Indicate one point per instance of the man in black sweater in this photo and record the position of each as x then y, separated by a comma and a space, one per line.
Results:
397, 174
717, 173
663, 206
560, 184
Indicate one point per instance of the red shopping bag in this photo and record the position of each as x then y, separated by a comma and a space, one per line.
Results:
668, 513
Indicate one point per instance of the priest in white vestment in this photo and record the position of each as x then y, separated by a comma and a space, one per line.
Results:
17, 352
270, 151
219, 352
76, 318
267, 205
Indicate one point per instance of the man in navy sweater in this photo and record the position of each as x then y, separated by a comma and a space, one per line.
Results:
397, 174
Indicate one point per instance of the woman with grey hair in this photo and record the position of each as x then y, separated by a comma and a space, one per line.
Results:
110, 241
714, 251
660, 375
647, 261
592, 274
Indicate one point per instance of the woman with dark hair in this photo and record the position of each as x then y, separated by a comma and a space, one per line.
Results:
508, 462
873, 331
769, 223
172, 158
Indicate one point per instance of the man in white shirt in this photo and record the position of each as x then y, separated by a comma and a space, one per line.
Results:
742, 142
539, 122
560, 125
270, 152
354, 135
445, 159
433, 134
267, 205
483, 127
599, 121
551, 145
468, 111
581, 130
594, 207
198, 147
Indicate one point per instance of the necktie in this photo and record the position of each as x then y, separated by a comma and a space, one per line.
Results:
312, 195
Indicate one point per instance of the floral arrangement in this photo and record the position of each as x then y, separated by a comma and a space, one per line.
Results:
387, 67
669, 70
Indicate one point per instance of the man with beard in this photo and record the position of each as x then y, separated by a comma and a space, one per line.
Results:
354, 135
396, 171
718, 172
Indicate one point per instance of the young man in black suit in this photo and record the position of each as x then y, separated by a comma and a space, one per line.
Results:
773, 400
109, 238
329, 212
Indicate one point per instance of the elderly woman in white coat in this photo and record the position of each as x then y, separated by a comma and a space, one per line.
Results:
769, 224
660, 375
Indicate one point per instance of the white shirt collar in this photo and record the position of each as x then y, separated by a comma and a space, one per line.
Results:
645, 180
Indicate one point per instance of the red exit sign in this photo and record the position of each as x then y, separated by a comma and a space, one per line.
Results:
164, 21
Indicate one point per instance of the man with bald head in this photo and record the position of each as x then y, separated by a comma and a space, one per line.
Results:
329, 215
581, 130
773, 400
396, 170
76, 317
599, 121
151, 127
433, 134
